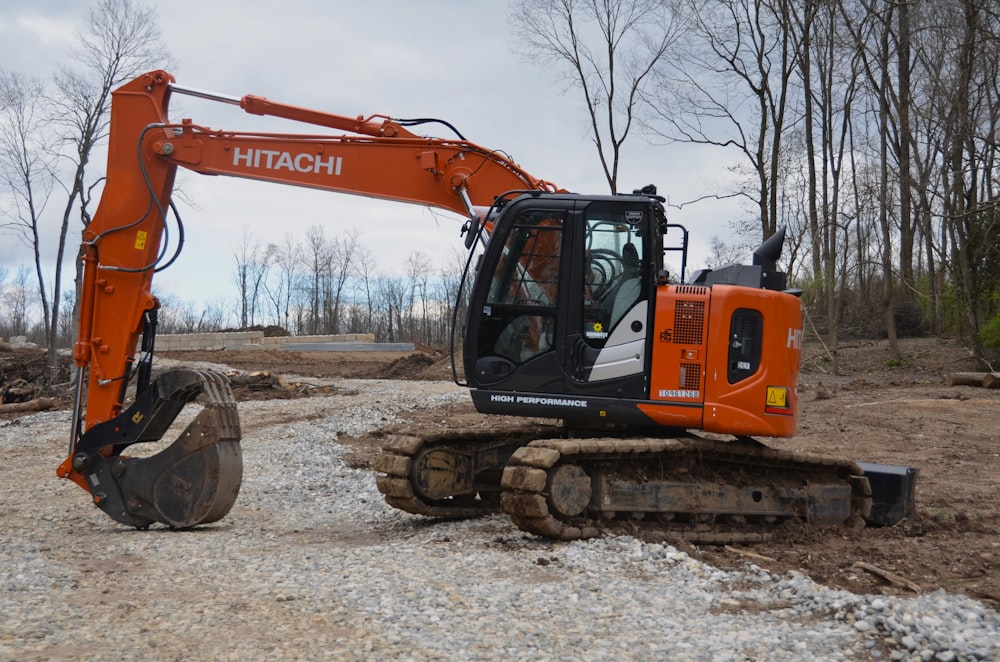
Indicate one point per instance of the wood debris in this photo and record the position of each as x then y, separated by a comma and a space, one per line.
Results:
891, 577
979, 379
38, 404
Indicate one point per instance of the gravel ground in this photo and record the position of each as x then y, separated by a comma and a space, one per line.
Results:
311, 564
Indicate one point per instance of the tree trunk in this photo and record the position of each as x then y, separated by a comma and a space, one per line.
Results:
888, 294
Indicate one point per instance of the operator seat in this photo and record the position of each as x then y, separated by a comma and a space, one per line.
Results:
629, 287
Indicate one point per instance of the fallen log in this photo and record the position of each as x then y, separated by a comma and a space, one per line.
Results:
991, 380
748, 554
982, 379
38, 404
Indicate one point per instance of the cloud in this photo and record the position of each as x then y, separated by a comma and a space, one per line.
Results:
48, 31
438, 58
33, 37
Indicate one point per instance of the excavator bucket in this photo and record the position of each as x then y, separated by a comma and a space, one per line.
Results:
195, 480
893, 490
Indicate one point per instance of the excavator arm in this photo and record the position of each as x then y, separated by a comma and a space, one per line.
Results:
196, 479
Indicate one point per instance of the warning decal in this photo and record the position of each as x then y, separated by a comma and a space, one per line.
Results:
777, 396
778, 401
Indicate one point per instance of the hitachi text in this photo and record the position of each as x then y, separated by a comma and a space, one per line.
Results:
272, 159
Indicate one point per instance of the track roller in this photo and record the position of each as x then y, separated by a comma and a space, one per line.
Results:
691, 488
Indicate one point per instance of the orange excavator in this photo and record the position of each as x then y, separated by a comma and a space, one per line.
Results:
572, 317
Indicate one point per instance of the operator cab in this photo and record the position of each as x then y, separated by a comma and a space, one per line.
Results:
562, 299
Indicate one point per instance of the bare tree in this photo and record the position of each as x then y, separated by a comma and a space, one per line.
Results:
418, 271
721, 253
27, 158
67, 321
873, 36
342, 250
317, 256
280, 288
215, 315
120, 41
610, 48
391, 304
251, 263
970, 203
365, 268
454, 299
731, 88
242, 258
4, 323
830, 77
18, 297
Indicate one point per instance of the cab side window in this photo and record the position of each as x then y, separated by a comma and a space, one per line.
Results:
612, 275
520, 308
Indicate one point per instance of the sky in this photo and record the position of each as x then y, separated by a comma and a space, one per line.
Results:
448, 59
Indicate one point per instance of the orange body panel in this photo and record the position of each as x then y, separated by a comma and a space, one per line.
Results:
741, 408
690, 361
679, 351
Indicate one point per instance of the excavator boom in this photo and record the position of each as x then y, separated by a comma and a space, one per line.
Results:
124, 246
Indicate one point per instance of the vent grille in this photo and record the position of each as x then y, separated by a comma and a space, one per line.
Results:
694, 290
690, 374
689, 322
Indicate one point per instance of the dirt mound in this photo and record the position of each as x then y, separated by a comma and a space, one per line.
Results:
420, 367
408, 366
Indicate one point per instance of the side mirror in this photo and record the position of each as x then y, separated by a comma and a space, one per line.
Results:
469, 230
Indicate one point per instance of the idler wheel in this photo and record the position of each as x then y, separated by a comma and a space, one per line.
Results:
569, 490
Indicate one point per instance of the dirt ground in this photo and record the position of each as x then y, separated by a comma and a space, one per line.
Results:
877, 410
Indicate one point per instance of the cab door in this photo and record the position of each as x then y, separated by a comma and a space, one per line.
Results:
608, 329
518, 304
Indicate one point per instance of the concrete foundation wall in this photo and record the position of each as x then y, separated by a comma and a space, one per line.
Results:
247, 340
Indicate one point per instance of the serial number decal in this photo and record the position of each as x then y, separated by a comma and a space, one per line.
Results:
679, 394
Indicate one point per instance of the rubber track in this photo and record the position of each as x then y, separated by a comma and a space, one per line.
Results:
396, 461
525, 480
